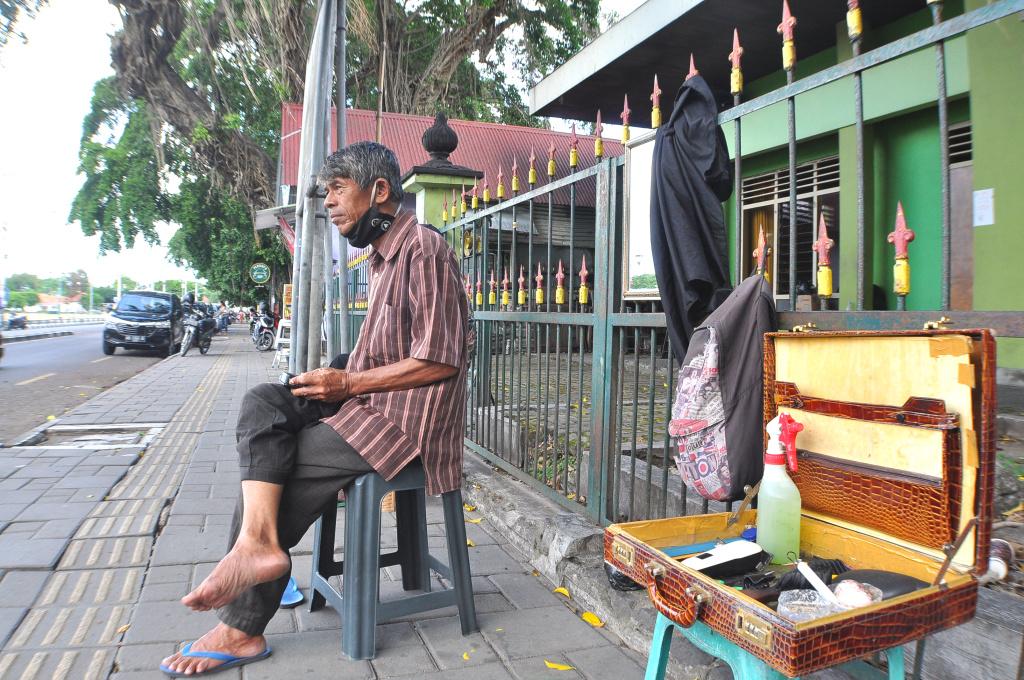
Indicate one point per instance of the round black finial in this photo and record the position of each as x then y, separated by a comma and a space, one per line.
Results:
440, 140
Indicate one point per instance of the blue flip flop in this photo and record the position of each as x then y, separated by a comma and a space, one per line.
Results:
229, 661
292, 596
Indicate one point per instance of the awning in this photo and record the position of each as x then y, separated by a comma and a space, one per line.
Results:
658, 37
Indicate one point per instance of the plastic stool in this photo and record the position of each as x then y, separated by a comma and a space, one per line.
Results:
744, 665
358, 601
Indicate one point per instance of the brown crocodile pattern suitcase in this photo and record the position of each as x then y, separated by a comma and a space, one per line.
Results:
898, 460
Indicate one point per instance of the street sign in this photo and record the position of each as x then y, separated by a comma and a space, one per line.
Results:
259, 272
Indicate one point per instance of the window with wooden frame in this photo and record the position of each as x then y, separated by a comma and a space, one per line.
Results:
766, 206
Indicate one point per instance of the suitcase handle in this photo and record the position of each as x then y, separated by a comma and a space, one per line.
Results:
685, 615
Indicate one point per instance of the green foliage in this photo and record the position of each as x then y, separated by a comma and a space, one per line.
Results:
103, 294
23, 298
23, 282
122, 195
643, 282
195, 149
216, 239
76, 282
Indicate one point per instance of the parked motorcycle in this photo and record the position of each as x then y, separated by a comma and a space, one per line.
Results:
199, 330
263, 332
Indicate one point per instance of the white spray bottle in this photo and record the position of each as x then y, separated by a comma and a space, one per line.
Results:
778, 501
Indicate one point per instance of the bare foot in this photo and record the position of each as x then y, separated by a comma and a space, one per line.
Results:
246, 565
221, 638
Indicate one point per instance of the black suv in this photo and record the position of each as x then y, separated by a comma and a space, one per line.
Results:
144, 319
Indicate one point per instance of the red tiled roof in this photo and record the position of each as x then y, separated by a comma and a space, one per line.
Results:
482, 146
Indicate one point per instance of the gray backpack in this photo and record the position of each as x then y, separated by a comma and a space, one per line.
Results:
718, 407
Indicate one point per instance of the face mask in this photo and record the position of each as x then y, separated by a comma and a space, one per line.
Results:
371, 226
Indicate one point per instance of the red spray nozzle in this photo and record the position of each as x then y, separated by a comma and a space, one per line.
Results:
789, 429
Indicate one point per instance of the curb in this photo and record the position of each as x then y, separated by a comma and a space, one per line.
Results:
1011, 425
37, 336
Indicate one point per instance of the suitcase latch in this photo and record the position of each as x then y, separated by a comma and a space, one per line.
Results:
699, 594
935, 325
754, 630
623, 552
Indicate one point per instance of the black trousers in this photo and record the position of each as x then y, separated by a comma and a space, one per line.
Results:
280, 440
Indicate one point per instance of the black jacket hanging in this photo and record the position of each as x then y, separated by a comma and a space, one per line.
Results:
690, 178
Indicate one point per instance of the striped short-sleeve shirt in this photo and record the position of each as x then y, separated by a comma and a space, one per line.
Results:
417, 309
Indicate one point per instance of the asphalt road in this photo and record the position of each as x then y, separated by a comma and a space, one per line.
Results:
41, 378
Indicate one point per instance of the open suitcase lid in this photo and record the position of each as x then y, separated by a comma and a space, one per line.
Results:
899, 432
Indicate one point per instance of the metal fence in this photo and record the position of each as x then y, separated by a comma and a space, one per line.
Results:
571, 384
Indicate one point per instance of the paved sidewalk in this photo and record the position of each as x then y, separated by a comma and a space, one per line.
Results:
97, 545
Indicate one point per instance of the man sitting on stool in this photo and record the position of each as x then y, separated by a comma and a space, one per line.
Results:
402, 397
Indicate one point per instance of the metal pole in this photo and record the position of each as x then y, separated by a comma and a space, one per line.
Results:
341, 99
737, 190
314, 328
940, 73
326, 262
792, 194
858, 107
297, 341
305, 279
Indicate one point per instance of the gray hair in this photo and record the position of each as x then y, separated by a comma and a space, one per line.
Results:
364, 162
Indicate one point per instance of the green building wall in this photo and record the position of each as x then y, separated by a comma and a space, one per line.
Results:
985, 82
996, 67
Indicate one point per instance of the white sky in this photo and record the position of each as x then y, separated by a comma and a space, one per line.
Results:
47, 85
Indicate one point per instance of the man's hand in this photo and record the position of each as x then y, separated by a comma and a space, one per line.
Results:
324, 384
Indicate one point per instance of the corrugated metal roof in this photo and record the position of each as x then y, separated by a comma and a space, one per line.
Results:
482, 146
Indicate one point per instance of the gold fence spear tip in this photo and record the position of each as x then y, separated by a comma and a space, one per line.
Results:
824, 244
693, 68
475, 200
444, 211
515, 175
560, 285
487, 192
736, 76
786, 29
522, 295
539, 297
761, 252
900, 237
625, 118
854, 22
501, 183
532, 175
551, 160
656, 104
574, 154
598, 141
584, 290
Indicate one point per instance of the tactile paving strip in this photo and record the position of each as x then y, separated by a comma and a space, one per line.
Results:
95, 586
106, 553
155, 480
111, 519
70, 626
73, 664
